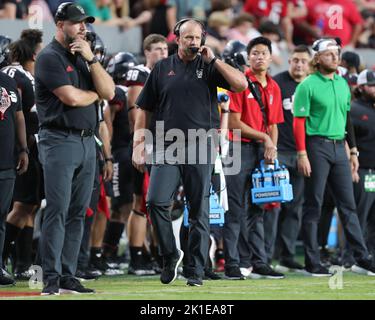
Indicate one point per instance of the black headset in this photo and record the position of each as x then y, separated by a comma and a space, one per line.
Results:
61, 11
177, 27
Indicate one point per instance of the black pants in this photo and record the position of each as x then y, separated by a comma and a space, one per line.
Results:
7, 179
283, 226
164, 180
329, 164
84, 250
69, 167
243, 220
366, 214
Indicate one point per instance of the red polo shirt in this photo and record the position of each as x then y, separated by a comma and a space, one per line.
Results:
251, 114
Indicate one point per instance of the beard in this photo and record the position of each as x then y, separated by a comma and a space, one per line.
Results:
68, 39
328, 69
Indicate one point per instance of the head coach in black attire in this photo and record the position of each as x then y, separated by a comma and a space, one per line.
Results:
181, 91
68, 81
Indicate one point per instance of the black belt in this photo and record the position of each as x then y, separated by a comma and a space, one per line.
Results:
325, 139
78, 132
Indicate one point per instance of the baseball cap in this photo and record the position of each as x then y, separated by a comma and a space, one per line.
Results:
325, 44
72, 12
366, 77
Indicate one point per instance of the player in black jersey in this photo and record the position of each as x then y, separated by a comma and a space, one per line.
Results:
28, 190
12, 129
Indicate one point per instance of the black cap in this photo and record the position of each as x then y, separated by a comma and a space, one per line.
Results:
72, 12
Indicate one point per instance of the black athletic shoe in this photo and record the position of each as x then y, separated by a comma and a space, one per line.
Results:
265, 271
50, 289
6, 279
233, 273
99, 262
318, 271
72, 285
86, 275
194, 281
169, 272
365, 267
141, 269
289, 266
23, 275
210, 275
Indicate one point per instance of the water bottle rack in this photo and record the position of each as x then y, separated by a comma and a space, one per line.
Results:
216, 213
277, 188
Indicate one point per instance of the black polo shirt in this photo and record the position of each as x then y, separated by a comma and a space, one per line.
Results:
183, 95
10, 103
288, 85
56, 67
363, 118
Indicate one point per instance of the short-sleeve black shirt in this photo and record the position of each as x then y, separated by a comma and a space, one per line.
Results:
56, 67
10, 103
288, 87
183, 95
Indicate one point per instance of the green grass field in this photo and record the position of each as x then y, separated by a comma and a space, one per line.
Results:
293, 287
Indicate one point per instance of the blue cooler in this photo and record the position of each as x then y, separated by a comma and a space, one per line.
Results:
216, 211
271, 185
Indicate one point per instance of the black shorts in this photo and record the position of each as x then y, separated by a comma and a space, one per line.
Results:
29, 187
127, 180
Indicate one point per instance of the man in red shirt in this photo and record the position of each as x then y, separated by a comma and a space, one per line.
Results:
258, 141
333, 18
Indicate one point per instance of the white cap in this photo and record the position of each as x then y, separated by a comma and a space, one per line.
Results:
366, 77
325, 44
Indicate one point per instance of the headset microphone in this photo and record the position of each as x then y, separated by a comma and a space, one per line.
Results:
194, 49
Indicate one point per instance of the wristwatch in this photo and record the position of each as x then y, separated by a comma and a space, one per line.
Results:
110, 159
354, 153
92, 61
25, 150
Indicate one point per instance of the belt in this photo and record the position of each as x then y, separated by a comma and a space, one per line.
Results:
78, 132
325, 139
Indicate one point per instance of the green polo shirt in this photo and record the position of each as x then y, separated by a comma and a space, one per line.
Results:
325, 103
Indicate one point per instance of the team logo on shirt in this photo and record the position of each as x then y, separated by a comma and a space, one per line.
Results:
5, 102
171, 73
364, 117
199, 73
69, 69
250, 96
302, 109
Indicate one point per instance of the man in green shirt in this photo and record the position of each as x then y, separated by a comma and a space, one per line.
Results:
321, 121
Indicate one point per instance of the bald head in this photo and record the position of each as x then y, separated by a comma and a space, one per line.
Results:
189, 25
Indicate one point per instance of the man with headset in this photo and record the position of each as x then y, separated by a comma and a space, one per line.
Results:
182, 91
68, 82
